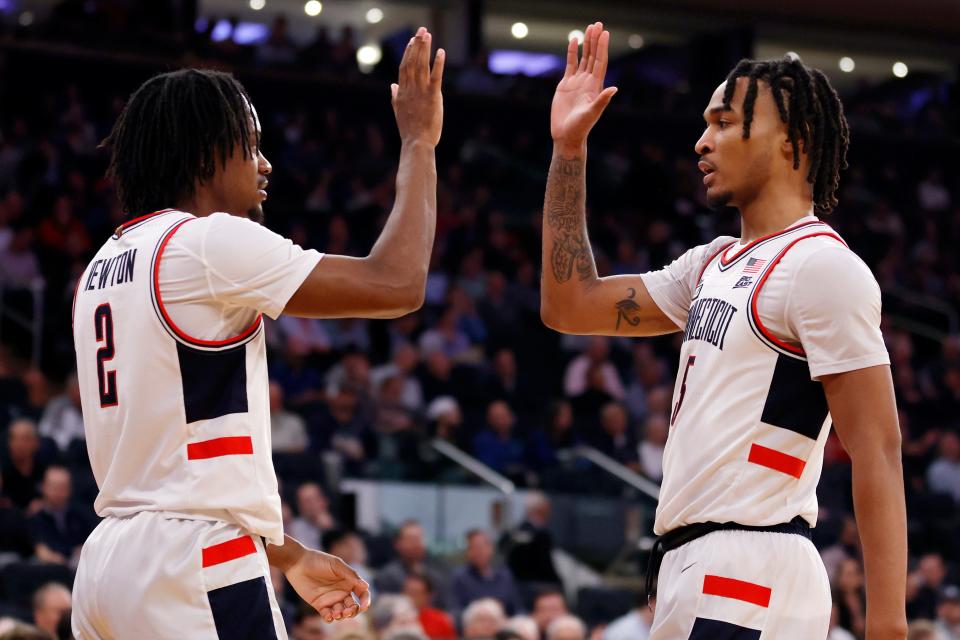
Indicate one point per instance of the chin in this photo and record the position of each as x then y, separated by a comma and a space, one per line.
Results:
256, 214
718, 201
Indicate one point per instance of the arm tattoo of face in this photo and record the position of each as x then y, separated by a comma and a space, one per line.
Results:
628, 309
566, 217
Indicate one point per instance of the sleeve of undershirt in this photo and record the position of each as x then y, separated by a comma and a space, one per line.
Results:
247, 265
673, 286
834, 310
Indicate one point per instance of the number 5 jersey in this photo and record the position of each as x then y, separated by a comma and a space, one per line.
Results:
761, 323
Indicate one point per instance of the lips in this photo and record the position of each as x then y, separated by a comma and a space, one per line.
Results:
262, 189
707, 169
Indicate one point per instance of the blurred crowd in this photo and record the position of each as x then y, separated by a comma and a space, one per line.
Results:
475, 367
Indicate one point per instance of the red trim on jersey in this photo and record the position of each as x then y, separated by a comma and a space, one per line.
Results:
725, 261
710, 259
776, 460
177, 330
227, 551
737, 590
229, 446
756, 293
73, 307
130, 223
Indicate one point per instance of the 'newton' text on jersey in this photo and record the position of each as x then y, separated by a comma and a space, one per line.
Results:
107, 272
709, 320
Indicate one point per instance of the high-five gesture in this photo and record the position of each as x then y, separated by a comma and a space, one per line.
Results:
417, 101
580, 96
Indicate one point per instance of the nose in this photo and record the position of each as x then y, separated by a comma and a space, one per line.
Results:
265, 167
704, 144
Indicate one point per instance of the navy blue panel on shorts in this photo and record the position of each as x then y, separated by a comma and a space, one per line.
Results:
214, 382
707, 629
242, 611
795, 402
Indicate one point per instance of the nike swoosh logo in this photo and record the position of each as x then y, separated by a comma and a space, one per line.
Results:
687, 567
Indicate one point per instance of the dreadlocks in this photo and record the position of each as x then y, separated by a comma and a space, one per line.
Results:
812, 111
171, 134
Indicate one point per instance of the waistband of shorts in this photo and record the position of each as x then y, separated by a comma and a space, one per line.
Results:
680, 536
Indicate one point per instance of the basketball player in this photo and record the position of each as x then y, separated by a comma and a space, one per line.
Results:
172, 365
781, 333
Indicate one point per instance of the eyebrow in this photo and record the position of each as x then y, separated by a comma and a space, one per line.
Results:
715, 110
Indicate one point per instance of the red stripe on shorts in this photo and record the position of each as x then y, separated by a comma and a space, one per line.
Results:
776, 460
232, 446
227, 551
737, 590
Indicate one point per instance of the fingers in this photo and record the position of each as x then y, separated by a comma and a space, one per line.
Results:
586, 48
601, 101
572, 47
362, 591
437, 74
603, 55
421, 65
594, 40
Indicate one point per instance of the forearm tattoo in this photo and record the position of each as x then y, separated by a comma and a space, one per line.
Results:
565, 215
628, 309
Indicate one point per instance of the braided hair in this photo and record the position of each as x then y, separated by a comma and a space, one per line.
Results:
812, 111
171, 134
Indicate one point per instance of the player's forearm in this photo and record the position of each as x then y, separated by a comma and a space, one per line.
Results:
881, 515
567, 258
404, 246
286, 555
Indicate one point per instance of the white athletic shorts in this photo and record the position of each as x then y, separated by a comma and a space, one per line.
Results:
743, 585
153, 576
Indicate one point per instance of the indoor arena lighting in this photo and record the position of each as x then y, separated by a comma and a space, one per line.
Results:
26, 19
847, 64
576, 34
313, 8
374, 15
900, 69
256, 5
519, 30
635, 41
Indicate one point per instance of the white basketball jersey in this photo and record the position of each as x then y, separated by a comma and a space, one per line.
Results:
748, 424
173, 423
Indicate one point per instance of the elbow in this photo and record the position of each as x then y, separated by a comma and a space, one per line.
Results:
405, 298
553, 320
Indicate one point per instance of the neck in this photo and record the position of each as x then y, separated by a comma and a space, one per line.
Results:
771, 212
201, 204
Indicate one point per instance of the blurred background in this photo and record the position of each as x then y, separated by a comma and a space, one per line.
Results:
490, 477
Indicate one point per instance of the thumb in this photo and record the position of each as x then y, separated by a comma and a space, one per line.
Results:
393, 90
601, 101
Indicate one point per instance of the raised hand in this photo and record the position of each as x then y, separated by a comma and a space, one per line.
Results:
417, 101
329, 585
580, 97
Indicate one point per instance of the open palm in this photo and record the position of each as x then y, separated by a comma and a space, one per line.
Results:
580, 97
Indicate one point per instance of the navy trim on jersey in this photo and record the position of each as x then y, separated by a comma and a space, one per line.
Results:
242, 611
759, 242
214, 382
794, 401
206, 345
707, 629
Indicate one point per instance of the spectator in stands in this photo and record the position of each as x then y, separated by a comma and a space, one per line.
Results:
943, 475
522, 628
497, 446
929, 579
616, 438
576, 380
633, 625
310, 625
482, 619
50, 603
402, 364
19, 266
948, 613
411, 558
567, 628
436, 623
446, 337
849, 597
557, 435
15, 540
480, 578
393, 613
288, 431
23, 468
58, 527
650, 452
549, 605
278, 49
503, 381
921, 630
287, 609
351, 547
314, 516
529, 547
308, 335
62, 419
